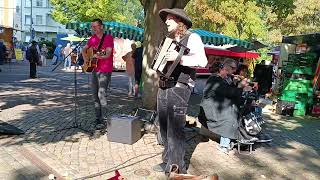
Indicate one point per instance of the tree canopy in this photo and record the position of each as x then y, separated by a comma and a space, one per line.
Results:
108, 10
265, 20
237, 18
304, 19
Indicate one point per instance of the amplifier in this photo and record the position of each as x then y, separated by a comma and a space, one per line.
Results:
124, 129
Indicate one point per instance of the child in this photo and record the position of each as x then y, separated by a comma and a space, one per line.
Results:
130, 69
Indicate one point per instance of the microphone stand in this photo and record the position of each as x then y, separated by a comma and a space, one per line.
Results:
76, 124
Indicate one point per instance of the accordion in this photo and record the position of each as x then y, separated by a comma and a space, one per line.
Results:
160, 63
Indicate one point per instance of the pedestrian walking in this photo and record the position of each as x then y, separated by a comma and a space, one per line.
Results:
57, 55
67, 57
44, 54
137, 56
128, 58
3, 50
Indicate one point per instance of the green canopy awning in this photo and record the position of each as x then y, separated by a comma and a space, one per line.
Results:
126, 31
218, 39
73, 38
115, 29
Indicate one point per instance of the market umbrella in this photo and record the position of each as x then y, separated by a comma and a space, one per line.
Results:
73, 38
116, 29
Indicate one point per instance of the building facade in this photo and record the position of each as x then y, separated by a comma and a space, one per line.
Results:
7, 8
6, 13
33, 20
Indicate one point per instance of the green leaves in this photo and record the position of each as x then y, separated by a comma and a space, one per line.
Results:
127, 11
304, 19
280, 7
237, 18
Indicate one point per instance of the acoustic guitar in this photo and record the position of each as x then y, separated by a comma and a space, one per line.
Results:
90, 62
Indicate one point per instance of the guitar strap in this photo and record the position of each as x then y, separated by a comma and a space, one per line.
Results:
101, 41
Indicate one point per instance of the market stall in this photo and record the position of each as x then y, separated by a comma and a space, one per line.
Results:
298, 75
218, 55
6, 35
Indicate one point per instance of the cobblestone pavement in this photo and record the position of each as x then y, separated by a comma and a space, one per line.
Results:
44, 109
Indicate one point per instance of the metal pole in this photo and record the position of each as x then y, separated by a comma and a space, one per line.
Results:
21, 18
31, 24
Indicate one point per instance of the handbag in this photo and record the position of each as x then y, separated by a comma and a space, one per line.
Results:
174, 174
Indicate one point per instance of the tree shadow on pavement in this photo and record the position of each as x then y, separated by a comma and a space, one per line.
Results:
293, 154
44, 108
26, 173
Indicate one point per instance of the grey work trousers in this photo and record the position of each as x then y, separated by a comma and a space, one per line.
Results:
100, 83
172, 106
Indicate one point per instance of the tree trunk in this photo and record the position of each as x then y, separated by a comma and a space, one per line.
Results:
154, 31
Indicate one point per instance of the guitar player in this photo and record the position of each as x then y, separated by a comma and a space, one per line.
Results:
101, 74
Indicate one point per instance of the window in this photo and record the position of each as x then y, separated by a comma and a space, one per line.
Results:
17, 9
28, 3
49, 4
39, 3
48, 19
28, 37
27, 19
39, 20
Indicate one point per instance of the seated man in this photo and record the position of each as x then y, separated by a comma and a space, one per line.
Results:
219, 105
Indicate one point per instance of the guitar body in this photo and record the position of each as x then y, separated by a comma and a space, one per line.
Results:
90, 63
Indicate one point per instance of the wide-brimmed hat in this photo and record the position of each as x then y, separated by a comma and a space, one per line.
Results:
180, 13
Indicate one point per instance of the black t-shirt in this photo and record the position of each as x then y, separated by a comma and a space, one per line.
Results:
32, 54
138, 59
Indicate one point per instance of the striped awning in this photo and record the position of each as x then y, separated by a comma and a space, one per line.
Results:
126, 31
115, 29
218, 39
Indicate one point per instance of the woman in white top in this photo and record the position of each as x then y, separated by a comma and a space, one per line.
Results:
44, 53
128, 58
66, 52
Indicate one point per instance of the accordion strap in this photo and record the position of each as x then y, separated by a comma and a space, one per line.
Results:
183, 47
176, 62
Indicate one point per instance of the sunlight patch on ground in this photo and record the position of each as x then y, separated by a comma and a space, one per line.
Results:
17, 112
48, 103
287, 124
16, 92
